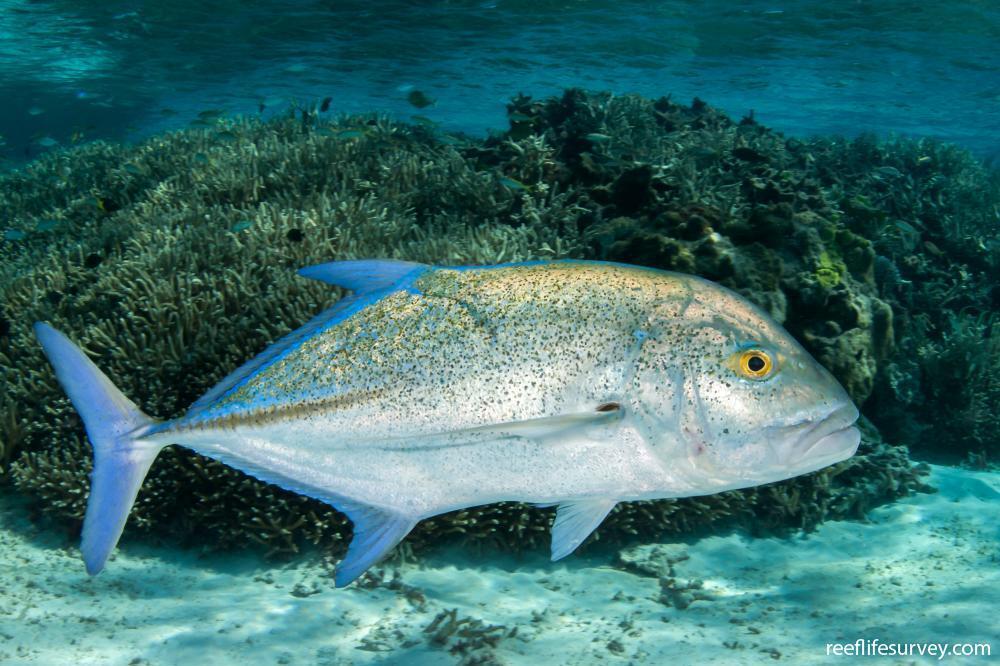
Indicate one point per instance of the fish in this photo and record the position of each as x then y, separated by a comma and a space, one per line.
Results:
578, 384
419, 99
325, 104
883, 172
47, 225
424, 120
348, 133
511, 183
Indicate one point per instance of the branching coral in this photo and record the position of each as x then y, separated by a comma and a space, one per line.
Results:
173, 261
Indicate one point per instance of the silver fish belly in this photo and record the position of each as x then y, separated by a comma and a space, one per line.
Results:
430, 389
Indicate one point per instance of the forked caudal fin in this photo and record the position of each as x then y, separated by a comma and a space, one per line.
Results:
115, 426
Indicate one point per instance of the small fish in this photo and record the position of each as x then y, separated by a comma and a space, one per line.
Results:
597, 137
271, 102
325, 104
226, 135
934, 249
208, 114
242, 225
749, 155
430, 389
132, 169
46, 225
519, 118
297, 68
201, 158
424, 120
14, 235
887, 172
76, 137
36, 111
348, 134
511, 184
167, 112
420, 100
47, 142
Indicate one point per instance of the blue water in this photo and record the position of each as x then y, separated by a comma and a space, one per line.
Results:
124, 69
919, 569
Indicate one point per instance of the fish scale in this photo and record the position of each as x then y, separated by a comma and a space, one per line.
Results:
574, 383
463, 345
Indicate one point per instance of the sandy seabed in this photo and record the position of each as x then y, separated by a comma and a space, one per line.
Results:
925, 569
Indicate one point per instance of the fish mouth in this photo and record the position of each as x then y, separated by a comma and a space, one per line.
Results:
825, 442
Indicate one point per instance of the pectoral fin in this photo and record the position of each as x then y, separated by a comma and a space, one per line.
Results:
547, 427
574, 523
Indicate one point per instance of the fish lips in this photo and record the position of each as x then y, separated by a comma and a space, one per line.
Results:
823, 442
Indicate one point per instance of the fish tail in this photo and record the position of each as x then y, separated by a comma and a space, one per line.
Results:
115, 426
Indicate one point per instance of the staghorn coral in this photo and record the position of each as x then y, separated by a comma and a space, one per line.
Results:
173, 261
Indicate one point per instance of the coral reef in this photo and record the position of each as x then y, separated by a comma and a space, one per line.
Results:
173, 261
932, 214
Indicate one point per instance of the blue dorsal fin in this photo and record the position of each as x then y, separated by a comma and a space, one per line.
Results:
369, 279
574, 523
362, 275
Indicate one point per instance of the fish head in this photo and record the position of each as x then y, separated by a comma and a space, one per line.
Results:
739, 401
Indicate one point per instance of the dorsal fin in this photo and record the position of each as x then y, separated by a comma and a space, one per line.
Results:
369, 279
361, 275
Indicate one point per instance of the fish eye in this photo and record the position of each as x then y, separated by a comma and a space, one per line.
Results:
753, 364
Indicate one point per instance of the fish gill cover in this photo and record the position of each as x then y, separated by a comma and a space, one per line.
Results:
173, 261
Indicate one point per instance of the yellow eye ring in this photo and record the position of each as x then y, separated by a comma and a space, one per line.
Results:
755, 364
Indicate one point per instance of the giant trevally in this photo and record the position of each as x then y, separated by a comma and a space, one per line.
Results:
571, 383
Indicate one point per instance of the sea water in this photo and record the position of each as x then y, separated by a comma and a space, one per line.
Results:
908, 579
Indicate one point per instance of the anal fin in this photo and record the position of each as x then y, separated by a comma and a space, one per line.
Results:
376, 531
574, 523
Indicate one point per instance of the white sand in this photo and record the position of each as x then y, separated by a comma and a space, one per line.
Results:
924, 569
